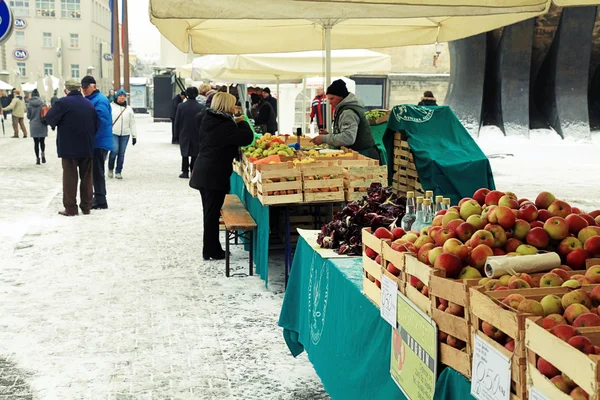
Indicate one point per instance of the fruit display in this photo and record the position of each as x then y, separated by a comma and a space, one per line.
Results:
377, 116
268, 145
381, 208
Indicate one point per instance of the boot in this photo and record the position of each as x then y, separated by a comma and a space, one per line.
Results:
15, 136
110, 173
184, 175
118, 175
38, 161
43, 158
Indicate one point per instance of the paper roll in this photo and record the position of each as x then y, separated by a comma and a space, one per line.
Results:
503, 265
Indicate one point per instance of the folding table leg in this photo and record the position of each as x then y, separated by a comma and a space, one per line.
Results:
251, 236
227, 237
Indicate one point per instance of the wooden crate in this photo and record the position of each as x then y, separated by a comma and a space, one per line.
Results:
304, 140
358, 179
272, 182
382, 119
583, 369
405, 177
371, 268
455, 291
415, 268
323, 190
390, 256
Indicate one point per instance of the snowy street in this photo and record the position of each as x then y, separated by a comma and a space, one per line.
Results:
120, 305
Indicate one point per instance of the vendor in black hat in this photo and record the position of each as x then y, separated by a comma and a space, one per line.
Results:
350, 125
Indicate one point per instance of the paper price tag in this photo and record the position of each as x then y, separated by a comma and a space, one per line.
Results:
491, 372
535, 394
389, 300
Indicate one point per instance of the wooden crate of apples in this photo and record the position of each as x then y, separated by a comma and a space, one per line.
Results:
372, 244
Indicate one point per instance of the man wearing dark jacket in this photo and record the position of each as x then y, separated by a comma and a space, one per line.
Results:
77, 124
266, 118
103, 142
177, 100
187, 126
266, 93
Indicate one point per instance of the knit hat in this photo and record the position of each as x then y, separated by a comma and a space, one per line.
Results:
267, 90
72, 85
121, 92
338, 88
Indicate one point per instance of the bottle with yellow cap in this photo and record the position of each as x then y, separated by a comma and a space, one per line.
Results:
439, 204
410, 215
446, 203
418, 224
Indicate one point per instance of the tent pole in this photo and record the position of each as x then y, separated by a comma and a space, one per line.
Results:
304, 130
278, 108
327, 27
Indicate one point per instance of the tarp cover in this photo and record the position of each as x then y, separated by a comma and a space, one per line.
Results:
448, 160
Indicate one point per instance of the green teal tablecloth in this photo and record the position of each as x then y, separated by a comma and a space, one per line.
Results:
260, 214
384, 140
325, 313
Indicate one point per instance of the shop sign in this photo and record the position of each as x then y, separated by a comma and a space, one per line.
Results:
20, 23
6, 21
414, 351
491, 372
389, 302
20, 54
108, 57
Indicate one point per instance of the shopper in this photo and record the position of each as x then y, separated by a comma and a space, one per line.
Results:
4, 102
39, 128
177, 100
123, 126
111, 95
77, 124
350, 125
428, 99
187, 126
221, 137
266, 93
209, 96
203, 90
319, 109
265, 118
103, 142
17, 106
54, 98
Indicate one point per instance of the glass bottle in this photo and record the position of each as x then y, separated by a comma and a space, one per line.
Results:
429, 195
446, 203
417, 225
427, 213
410, 215
439, 204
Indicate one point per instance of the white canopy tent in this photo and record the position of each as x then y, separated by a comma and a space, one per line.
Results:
5, 86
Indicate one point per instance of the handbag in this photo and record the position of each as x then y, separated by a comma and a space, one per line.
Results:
122, 111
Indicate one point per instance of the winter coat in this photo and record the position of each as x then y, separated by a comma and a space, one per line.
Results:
125, 125
177, 100
428, 101
17, 106
53, 100
77, 123
266, 116
103, 139
4, 101
37, 128
349, 117
186, 127
273, 102
220, 140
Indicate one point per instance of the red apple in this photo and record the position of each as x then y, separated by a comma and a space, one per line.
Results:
521, 229
416, 282
434, 254
587, 233
492, 331
552, 320
498, 233
449, 262
543, 215
369, 252
593, 274
573, 311
586, 320
528, 212
582, 343
382, 233
479, 255
443, 235
557, 228
480, 194
454, 224
544, 200
551, 279
393, 270
422, 241
561, 384
433, 231
594, 213
510, 345
456, 247
562, 273
546, 368
493, 197
564, 332
576, 258
538, 238
579, 394
512, 244
559, 208
465, 231
536, 224
508, 201
463, 201
505, 216
592, 246
588, 218
576, 223
470, 207
569, 244
482, 237
423, 254
398, 233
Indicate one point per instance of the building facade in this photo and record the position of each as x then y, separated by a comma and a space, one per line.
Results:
63, 38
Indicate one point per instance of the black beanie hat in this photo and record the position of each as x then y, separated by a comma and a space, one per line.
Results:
267, 90
338, 88
191, 92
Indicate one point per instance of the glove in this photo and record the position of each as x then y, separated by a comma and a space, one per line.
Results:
134, 141
312, 120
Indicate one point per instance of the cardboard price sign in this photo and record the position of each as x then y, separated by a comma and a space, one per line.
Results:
491, 372
414, 351
389, 300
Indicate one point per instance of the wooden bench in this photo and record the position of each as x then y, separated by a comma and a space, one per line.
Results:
238, 224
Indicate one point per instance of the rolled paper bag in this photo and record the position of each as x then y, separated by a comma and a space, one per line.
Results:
503, 265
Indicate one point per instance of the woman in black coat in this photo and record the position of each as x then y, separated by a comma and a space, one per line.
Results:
186, 125
266, 117
428, 99
221, 137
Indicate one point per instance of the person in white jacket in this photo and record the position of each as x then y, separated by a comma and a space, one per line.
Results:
123, 127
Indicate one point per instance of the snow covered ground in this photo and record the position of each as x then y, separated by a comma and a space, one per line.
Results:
119, 304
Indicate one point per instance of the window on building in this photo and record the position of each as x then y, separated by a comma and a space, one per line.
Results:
22, 68
74, 43
75, 71
47, 39
20, 8
48, 70
70, 9
45, 8
20, 38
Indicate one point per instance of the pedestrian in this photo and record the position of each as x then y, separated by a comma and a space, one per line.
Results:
4, 102
350, 125
123, 126
319, 109
38, 128
17, 106
221, 137
77, 124
103, 142
203, 90
187, 126
265, 118
177, 100
428, 99
54, 98
266, 93
111, 95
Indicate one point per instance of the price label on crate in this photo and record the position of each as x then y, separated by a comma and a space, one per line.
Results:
491, 372
535, 394
389, 300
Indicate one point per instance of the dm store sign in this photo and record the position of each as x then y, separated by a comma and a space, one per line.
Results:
6, 21
20, 54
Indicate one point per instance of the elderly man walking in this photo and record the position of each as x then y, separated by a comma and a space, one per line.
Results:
77, 124
103, 142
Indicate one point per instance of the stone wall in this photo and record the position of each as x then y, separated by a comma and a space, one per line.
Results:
409, 88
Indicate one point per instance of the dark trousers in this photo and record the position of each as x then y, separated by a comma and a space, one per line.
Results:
39, 143
72, 169
174, 137
186, 165
212, 201
99, 178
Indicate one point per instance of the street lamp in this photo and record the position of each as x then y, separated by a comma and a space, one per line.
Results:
439, 47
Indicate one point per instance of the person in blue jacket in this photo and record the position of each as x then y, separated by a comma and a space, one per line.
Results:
103, 142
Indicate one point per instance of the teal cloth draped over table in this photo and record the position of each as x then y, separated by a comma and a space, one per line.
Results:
448, 160
384, 140
325, 313
260, 214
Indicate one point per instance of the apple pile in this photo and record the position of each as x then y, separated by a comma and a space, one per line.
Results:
557, 277
384, 234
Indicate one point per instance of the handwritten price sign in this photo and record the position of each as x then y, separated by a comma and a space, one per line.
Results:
389, 300
491, 372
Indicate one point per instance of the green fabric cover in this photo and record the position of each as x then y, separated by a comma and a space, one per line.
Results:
452, 385
448, 160
260, 214
384, 140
